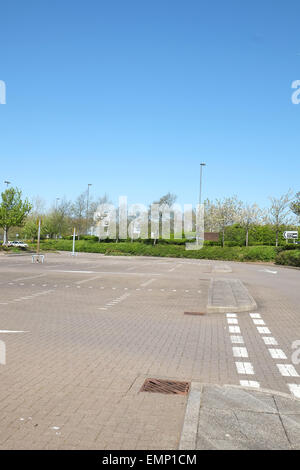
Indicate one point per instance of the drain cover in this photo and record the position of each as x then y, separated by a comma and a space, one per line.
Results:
168, 387
194, 313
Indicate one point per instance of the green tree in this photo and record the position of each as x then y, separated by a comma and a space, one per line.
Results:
295, 205
13, 210
279, 212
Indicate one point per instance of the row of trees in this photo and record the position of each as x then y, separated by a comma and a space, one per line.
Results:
220, 214
21, 216
283, 211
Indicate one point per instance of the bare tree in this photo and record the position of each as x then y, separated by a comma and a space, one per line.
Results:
279, 211
225, 212
164, 202
249, 216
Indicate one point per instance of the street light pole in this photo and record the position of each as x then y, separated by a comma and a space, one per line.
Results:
7, 183
87, 207
200, 191
200, 201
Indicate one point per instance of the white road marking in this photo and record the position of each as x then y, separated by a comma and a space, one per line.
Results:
287, 370
255, 315
263, 330
244, 368
232, 321
258, 322
234, 329
231, 315
270, 340
237, 339
114, 273
87, 280
144, 284
268, 271
294, 389
13, 331
29, 277
239, 352
249, 383
277, 353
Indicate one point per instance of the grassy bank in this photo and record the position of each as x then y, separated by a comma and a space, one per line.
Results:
251, 253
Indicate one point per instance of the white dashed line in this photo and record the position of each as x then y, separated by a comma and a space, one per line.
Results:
277, 353
287, 370
255, 315
245, 368
234, 329
237, 339
239, 352
258, 322
294, 389
232, 321
263, 330
249, 383
231, 315
270, 340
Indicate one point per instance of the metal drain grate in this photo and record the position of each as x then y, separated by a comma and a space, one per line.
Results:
168, 387
194, 313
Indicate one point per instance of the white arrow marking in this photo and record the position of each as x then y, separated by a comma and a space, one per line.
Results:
268, 271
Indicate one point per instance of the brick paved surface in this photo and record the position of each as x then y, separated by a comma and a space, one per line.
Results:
95, 327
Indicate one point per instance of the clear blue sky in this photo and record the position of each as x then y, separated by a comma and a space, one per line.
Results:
132, 95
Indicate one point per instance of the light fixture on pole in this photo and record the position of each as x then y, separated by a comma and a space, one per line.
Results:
7, 183
200, 192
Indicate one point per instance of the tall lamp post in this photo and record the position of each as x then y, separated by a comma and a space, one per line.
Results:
200, 199
87, 207
4, 234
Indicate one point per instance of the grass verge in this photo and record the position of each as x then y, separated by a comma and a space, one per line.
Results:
251, 253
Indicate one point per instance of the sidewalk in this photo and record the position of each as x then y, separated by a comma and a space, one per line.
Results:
235, 418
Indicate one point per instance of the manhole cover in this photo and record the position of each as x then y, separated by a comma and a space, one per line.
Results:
168, 387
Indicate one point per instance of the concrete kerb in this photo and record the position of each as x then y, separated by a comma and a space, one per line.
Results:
188, 438
229, 295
